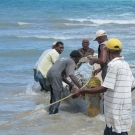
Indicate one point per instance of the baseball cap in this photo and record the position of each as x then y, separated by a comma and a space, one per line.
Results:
114, 44
54, 43
99, 33
75, 53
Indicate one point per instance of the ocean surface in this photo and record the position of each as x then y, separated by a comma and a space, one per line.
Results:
27, 28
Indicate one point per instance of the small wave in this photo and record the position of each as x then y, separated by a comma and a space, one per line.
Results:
40, 110
15, 24
48, 37
32, 88
78, 20
71, 24
68, 26
42, 37
101, 22
100, 117
42, 107
66, 20
23, 23
126, 14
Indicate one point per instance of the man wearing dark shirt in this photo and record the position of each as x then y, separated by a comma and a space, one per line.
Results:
85, 50
101, 38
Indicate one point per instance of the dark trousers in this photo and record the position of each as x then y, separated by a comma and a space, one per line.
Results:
108, 131
43, 84
55, 96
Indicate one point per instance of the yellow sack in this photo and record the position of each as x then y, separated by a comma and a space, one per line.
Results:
94, 82
93, 100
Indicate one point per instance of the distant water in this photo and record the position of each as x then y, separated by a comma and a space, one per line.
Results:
29, 27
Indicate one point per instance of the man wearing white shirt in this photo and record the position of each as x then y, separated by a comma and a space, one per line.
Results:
41, 57
45, 62
117, 85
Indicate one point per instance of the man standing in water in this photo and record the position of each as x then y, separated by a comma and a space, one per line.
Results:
101, 38
85, 50
117, 85
37, 63
46, 63
61, 69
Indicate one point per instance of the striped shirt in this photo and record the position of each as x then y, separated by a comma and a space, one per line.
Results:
117, 99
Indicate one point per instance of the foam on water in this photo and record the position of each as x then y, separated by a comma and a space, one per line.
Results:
105, 21
23, 23
32, 88
101, 22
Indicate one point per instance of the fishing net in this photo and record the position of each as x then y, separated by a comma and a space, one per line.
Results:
84, 74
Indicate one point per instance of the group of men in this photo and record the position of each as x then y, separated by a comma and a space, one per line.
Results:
118, 81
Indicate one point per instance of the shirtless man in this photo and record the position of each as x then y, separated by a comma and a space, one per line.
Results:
85, 50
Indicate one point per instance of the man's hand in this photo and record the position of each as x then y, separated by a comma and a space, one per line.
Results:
76, 93
91, 62
96, 71
133, 89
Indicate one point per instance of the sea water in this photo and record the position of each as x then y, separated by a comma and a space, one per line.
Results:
27, 28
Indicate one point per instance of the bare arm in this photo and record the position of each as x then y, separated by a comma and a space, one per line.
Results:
97, 71
100, 89
66, 81
102, 58
75, 81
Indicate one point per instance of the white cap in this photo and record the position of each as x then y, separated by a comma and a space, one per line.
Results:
54, 43
99, 33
